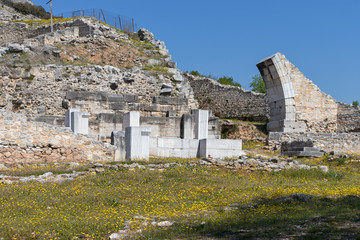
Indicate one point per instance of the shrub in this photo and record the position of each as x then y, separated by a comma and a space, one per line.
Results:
195, 73
355, 103
26, 8
228, 81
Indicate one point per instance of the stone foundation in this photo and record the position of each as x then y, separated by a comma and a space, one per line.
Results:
328, 142
22, 140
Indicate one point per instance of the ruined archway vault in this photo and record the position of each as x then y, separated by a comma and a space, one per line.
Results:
296, 104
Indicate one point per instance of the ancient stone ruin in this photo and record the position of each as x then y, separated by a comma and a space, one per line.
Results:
88, 86
301, 113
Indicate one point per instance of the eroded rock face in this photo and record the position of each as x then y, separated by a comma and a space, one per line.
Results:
50, 65
145, 35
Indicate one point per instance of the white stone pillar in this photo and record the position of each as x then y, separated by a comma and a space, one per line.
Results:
145, 142
80, 122
68, 116
118, 140
137, 143
201, 123
187, 128
131, 119
133, 143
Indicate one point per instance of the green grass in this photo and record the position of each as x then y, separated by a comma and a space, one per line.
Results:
36, 170
196, 198
42, 22
252, 144
156, 68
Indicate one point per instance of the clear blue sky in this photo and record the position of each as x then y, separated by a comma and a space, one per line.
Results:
228, 37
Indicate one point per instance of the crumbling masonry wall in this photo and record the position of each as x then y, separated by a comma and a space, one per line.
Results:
24, 141
348, 118
18, 31
229, 101
296, 104
340, 142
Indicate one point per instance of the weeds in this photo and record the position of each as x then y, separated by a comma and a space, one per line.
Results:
203, 202
156, 68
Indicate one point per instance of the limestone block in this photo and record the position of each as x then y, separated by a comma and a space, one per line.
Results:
80, 122
131, 119
201, 123
220, 148
137, 143
174, 147
68, 116
133, 143
118, 140
145, 142
187, 127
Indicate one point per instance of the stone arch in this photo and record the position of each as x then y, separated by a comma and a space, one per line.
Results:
280, 93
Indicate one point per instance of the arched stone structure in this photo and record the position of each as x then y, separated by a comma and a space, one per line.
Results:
296, 104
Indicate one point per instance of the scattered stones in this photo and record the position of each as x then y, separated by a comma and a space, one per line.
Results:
163, 223
120, 235
325, 169
46, 177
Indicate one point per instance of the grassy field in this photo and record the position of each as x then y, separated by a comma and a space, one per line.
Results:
201, 202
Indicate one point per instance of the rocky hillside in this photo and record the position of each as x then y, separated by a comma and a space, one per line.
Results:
8, 14
38, 67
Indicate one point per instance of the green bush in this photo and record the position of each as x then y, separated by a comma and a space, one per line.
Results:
355, 103
228, 81
26, 8
195, 73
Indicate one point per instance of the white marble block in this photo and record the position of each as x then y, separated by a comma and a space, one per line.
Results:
68, 116
80, 122
131, 119
201, 123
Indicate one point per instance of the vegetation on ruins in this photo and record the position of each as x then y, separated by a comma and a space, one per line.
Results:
225, 80
26, 8
258, 84
228, 81
355, 103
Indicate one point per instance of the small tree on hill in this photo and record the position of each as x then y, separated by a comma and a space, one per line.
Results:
355, 103
258, 84
228, 81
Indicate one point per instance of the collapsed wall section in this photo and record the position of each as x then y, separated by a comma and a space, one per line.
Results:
19, 31
296, 103
229, 101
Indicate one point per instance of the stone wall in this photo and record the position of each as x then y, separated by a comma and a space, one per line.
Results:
19, 31
103, 124
42, 90
22, 140
296, 103
341, 142
229, 101
348, 118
